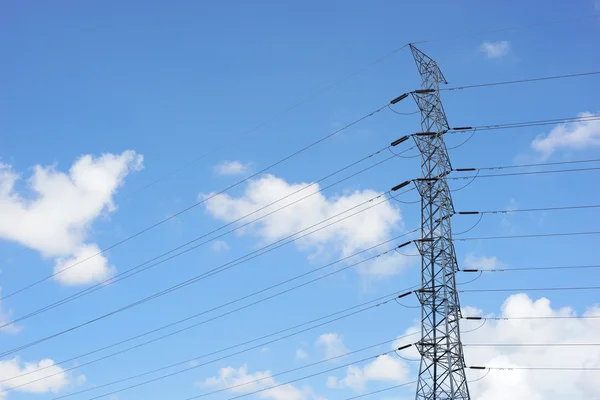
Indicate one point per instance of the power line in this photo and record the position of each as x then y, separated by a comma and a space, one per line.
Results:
381, 390
151, 262
199, 277
527, 236
531, 318
378, 302
530, 344
505, 211
128, 238
216, 308
546, 78
300, 368
501, 167
537, 368
532, 268
530, 289
524, 173
317, 93
525, 124
303, 377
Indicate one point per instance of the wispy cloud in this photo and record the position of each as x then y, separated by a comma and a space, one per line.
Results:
495, 49
232, 168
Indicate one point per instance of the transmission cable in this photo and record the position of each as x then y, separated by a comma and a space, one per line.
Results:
301, 368
527, 236
378, 303
526, 124
546, 78
566, 267
214, 309
128, 238
528, 289
151, 262
204, 275
531, 318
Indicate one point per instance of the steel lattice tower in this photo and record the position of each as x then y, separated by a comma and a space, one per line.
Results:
442, 369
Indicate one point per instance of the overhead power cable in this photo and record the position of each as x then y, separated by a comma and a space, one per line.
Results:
387, 389
181, 249
526, 236
537, 368
298, 368
233, 140
526, 124
546, 78
164, 220
524, 173
529, 289
531, 318
530, 344
378, 302
517, 210
79, 365
565, 267
249, 256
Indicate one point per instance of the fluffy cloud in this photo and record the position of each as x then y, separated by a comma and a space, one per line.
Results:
527, 384
486, 263
384, 368
495, 49
366, 229
54, 384
332, 344
56, 218
230, 376
231, 168
571, 136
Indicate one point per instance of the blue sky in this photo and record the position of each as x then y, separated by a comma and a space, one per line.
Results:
128, 93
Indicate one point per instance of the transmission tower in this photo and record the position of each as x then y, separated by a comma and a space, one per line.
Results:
442, 368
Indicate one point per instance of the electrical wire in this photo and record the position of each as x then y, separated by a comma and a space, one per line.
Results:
401, 113
192, 280
526, 124
529, 289
530, 209
527, 236
303, 377
151, 262
530, 318
522, 173
296, 369
379, 302
546, 78
529, 344
537, 368
381, 390
536, 165
178, 213
196, 324
532, 268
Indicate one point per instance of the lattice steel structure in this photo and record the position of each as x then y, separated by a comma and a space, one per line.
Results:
442, 369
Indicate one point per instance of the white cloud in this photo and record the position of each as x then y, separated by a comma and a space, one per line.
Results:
219, 246
386, 265
365, 229
495, 49
333, 344
14, 367
4, 318
526, 384
384, 368
301, 354
56, 218
571, 136
230, 376
485, 263
96, 269
232, 168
